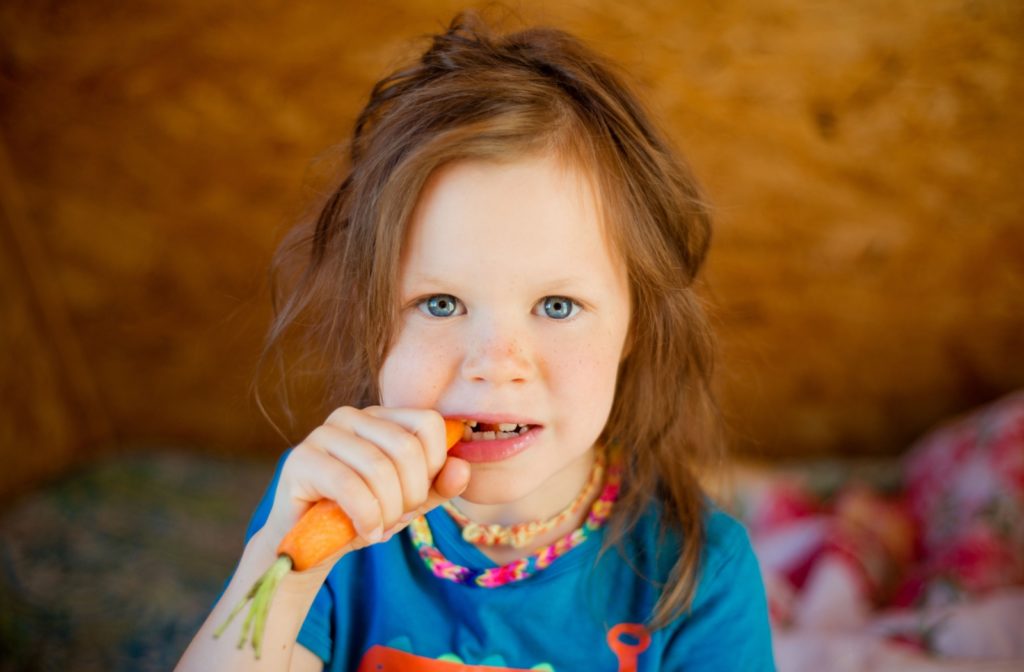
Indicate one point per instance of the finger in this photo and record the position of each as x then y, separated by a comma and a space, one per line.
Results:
426, 424
317, 475
377, 469
450, 482
405, 451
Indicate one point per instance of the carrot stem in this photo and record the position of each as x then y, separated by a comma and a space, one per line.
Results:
260, 596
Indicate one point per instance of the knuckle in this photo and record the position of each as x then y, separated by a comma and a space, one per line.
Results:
358, 503
435, 460
367, 518
342, 415
324, 438
409, 446
379, 467
317, 436
432, 421
389, 509
417, 499
321, 435
432, 416
299, 454
304, 459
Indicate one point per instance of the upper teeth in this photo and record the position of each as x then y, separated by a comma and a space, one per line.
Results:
505, 430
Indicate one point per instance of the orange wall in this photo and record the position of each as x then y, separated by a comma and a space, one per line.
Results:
865, 159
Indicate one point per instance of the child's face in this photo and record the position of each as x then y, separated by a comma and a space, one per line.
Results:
514, 309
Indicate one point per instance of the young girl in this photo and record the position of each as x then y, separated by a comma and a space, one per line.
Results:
514, 245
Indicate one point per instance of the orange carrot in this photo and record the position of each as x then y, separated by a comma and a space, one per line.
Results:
322, 530
453, 432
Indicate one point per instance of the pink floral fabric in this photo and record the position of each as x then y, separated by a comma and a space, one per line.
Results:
951, 531
965, 492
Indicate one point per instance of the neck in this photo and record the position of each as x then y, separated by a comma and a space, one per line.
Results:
539, 505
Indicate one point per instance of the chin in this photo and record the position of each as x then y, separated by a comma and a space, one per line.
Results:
492, 490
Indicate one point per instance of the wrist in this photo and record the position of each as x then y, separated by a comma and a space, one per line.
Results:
261, 552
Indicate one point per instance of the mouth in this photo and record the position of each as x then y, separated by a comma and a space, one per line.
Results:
495, 438
493, 431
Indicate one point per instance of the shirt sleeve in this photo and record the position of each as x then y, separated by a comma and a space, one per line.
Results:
728, 627
262, 512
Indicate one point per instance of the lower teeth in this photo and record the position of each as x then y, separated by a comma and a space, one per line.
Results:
491, 436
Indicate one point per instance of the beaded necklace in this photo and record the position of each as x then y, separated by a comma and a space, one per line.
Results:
521, 534
524, 568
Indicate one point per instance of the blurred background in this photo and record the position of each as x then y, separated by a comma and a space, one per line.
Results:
866, 279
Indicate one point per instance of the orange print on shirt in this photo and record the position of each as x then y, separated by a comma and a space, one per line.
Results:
626, 640
384, 659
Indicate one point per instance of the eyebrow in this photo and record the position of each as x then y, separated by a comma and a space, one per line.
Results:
567, 280
561, 281
421, 278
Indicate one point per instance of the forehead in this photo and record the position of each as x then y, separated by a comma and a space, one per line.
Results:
476, 216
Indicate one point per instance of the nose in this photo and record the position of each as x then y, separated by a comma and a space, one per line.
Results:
497, 353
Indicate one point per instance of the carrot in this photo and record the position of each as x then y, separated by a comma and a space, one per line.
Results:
322, 530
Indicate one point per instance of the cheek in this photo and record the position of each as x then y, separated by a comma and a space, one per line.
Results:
415, 372
586, 373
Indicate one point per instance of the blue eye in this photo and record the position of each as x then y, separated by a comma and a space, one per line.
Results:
440, 305
559, 307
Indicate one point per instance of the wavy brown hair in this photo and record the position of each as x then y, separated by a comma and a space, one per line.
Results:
476, 94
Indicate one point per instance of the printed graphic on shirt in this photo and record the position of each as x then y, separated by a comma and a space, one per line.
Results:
626, 640
386, 659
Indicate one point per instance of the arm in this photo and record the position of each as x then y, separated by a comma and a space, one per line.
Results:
291, 604
377, 465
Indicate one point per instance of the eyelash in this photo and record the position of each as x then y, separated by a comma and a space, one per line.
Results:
423, 305
574, 307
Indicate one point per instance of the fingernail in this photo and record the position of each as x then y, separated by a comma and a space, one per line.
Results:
408, 518
376, 535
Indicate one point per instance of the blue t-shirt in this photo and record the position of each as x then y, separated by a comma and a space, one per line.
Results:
382, 609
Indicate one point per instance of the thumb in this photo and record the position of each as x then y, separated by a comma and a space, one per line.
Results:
450, 482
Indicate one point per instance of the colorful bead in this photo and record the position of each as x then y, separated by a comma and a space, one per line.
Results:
522, 534
442, 567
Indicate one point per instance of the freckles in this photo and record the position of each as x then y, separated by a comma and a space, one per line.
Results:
428, 371
442, 354
585, 367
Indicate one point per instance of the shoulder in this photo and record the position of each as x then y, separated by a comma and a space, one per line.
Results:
726, 626
725, 540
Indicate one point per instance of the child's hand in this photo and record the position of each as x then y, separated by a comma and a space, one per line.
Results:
383, 466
